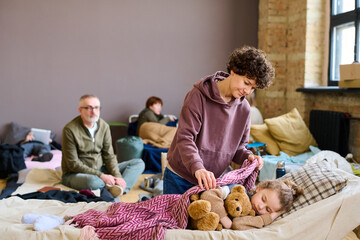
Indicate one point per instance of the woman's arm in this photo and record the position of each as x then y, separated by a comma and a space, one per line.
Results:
190, 123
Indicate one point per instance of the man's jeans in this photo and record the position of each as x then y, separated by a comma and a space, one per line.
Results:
130, 171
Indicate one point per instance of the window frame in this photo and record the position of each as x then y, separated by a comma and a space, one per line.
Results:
340, 19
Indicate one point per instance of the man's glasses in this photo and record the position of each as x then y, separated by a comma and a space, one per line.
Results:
91, 108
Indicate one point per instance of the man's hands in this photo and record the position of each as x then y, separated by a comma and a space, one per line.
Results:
259, 159
108, 179
111, 180
121, 182
205, 179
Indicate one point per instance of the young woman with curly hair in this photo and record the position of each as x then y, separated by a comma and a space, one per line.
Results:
214, 123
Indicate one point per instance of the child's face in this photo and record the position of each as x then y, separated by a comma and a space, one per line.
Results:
265, 201
156, 107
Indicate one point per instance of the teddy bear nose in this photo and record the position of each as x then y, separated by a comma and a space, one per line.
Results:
237, 209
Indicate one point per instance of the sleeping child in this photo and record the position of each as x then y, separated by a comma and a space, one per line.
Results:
269, 200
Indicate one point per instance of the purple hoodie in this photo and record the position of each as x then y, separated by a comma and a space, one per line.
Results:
211, 132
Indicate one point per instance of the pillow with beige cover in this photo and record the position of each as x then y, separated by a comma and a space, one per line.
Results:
260, 133
291, 133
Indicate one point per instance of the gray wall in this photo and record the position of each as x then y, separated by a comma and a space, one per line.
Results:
52, 52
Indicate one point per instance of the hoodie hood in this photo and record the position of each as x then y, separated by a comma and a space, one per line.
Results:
209, 88
211, 133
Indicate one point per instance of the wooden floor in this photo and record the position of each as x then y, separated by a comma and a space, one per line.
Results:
133, 195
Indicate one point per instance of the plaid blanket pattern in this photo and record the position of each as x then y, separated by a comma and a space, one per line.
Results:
150, 219
318, 180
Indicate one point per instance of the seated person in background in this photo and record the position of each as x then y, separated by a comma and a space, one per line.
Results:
32, 147
23, 137
214, 123
88, 160
152, 113
256, 116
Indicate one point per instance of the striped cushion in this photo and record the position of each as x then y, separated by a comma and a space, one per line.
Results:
318, 181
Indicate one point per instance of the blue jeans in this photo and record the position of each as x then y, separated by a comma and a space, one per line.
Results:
130, 171
174, 184
35, 148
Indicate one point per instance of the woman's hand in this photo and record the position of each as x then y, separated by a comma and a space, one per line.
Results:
259, 159
205, 179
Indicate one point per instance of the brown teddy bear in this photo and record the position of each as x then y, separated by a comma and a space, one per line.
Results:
209, 207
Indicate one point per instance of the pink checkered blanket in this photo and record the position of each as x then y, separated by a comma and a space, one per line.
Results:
150, 219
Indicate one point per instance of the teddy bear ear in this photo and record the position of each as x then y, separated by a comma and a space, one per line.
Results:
238, 188
194, 197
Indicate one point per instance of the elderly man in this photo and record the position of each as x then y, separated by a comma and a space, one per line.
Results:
88, 160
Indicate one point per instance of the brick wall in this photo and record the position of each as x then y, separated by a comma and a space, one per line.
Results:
292, 33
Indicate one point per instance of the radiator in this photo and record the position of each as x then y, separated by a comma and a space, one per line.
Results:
331, 130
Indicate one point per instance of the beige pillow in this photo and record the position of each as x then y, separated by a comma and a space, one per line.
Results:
291, 133
261, 133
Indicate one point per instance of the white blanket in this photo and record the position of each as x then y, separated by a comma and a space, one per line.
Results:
12, 210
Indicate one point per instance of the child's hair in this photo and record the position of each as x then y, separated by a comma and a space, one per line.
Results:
252, 63
287, 190
153, 100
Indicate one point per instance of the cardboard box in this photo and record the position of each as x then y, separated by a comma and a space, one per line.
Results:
350, 71
349, 83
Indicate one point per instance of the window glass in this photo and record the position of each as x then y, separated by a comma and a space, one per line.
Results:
343, 46
342, 6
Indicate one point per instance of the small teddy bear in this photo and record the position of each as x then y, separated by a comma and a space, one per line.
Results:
237, 203
209, 207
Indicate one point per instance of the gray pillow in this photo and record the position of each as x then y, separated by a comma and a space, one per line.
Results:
15, 133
